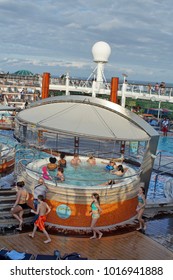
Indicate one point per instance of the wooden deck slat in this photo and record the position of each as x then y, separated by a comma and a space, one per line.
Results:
128, 246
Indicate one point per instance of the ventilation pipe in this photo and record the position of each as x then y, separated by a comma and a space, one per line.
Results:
45, 85
114, 90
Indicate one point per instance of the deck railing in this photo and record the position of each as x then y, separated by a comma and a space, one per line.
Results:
82, 86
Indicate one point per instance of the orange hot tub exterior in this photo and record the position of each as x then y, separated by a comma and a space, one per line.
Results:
112, 214
70, 207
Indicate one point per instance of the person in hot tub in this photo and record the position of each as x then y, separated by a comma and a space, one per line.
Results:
109, 183
120, 171
75, 160
91, 160
62, 161
60, 176
110, 166
52, 166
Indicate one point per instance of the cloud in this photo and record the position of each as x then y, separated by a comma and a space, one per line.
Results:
56, 36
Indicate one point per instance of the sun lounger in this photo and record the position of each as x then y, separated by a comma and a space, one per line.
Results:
55, 256
46, 257
14, 255
73, 256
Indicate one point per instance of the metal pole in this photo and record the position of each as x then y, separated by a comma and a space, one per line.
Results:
158, 114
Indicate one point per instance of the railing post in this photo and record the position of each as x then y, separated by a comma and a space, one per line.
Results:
156, 178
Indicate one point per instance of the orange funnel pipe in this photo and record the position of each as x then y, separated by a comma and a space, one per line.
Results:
45, 85
114, 90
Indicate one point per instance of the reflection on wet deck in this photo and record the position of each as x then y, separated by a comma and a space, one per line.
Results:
128, 246
161, 230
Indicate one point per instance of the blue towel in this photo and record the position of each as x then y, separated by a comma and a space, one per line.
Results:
14, 255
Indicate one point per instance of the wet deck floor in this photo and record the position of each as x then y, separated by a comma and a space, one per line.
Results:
161, 230
127, 246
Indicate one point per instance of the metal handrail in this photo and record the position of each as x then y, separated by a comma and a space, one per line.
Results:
22, 166
159, 153
161, 173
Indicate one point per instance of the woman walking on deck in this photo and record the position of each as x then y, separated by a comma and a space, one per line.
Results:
140, 208
95, 212
20, 204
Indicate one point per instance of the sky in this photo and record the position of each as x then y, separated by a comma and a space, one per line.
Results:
57, 36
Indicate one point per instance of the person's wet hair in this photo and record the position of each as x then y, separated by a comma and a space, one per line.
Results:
41, 197
96, 195
20, 184
111, 182
143, 190
61, 169
62, 155
120, 168
52, 160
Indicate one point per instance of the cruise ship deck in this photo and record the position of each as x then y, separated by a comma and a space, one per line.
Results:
132, 245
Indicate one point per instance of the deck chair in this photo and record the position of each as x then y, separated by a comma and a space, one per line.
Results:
73, 256
46, 257
15, 255
55, 256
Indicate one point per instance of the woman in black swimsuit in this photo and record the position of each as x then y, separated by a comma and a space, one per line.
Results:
20, 204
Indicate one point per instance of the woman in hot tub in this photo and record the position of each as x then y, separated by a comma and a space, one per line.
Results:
120, 171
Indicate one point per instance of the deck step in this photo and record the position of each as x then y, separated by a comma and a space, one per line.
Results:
7, 198
5, 192
7, 212
10, 222
10, 217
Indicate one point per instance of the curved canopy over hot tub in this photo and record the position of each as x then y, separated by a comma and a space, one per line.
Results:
88, 125
88, 117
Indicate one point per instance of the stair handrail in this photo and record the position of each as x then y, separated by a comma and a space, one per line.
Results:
160, 157
161, 173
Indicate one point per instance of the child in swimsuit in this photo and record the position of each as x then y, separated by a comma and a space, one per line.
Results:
60, 175
110, 166
141, 207
95, 212
45, 173
42, 210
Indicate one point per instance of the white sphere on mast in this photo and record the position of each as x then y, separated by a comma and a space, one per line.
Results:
101, 52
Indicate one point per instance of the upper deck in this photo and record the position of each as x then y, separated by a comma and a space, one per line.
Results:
16, 88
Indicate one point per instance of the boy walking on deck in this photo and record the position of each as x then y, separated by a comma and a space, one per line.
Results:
42, 210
